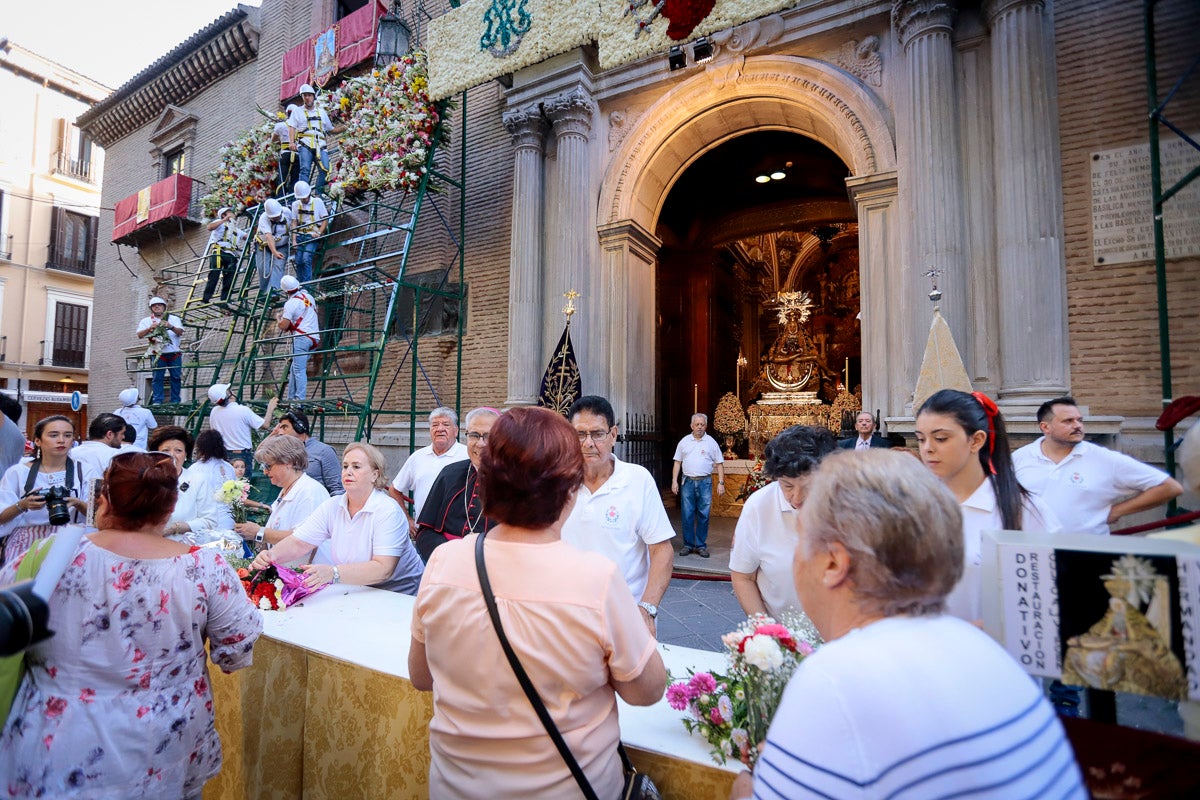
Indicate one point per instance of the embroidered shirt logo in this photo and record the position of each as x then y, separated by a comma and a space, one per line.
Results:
1076, 478
612, 516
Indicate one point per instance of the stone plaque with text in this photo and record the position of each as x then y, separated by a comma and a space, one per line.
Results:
1122, 220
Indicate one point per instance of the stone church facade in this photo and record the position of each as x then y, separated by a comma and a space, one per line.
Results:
969, 132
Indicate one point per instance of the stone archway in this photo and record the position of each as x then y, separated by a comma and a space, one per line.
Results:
728, 99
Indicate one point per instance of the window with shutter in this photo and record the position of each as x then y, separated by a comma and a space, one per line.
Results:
72, 242
70, 335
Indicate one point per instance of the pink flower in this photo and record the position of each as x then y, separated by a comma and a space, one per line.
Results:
123, 581
142, 711
164, 600
678, 696
201, 686
55, 707
714, 714
87, 695
702, 683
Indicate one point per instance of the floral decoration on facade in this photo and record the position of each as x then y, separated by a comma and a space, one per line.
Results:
390, 126
729, 421
733, 711
507, 23
247, 171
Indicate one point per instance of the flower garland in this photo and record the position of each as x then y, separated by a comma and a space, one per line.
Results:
247, 167
390, 125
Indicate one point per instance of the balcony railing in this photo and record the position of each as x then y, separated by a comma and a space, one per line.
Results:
72, 265
74, 168
57, 356
172, 201
6, 253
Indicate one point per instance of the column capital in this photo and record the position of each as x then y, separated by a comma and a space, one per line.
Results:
994, 9
527, 126
571, 112
912, 18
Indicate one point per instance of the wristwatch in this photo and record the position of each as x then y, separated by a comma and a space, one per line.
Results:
650, 609
258, 537
337, 576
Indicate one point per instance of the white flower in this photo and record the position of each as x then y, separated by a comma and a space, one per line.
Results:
763, 652
264, 604
724, 707
726, 748
739, 737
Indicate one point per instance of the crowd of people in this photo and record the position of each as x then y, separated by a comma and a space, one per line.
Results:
881, 550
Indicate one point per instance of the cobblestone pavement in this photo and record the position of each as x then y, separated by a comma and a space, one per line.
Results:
696, 613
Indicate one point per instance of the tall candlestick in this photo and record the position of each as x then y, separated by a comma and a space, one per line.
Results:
695, 398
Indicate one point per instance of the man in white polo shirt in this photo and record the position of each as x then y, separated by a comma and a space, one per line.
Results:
696, 456
1088, 487
421, 469
235, 422
618, 511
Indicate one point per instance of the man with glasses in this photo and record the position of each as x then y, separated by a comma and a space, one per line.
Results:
618, 511
420, 470
453, 507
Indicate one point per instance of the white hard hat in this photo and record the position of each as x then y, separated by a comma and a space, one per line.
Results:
157, 301
290, 108
218, 392
273, 208
128, 396
303, 190
289, 283
222, 211
306, 89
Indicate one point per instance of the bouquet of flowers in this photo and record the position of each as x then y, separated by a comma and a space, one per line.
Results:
733, 711
157, 339
390, 126
234, 493
755, 480
264, 588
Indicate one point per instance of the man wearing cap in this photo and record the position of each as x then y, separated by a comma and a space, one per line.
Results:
310, 218
289, 169
163, 332
136, 415
299, 318
309, 125
225, 240
235, 422
274, 233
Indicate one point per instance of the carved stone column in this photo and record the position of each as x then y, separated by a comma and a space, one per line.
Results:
528, 128
627, 252
1034, 359
570, 234
931, 175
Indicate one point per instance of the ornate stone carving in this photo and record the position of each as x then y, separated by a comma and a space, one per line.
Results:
910, 18
527, 126
749, 36
620, 122
571, 113
862, 59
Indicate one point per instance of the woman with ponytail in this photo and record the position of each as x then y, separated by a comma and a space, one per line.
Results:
963, 441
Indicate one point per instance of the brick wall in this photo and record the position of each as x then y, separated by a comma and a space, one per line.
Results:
1112, 310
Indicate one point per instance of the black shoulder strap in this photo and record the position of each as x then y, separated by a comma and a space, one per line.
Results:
522, 678
34, 467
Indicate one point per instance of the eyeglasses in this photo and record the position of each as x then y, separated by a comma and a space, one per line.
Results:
595, 436
473, 437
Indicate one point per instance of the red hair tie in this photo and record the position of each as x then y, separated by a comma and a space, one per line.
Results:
990, 409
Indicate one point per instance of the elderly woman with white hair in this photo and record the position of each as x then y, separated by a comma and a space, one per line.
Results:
365, 530
903, 700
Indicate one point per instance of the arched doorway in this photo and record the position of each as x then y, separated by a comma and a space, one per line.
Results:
757, 218
732, 98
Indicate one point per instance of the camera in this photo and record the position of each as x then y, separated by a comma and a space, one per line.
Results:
56, 504
24, 618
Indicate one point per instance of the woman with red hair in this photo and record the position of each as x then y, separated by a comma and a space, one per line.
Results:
568, 616
118, 702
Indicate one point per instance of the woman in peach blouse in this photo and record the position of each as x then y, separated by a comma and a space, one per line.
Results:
568, 615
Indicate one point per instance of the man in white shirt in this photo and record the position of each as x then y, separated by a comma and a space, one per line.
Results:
1086, 486
273, 237
299, 318
235, 422
618, 511
289, 166
309, 124
696, 456
163, 332
225, 241
136, 415
421, 469
106, 432
310, 217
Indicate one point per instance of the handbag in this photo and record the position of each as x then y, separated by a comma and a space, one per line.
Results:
637, 786
12, 668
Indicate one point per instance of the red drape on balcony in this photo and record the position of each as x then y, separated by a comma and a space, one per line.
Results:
355, 40
168, 198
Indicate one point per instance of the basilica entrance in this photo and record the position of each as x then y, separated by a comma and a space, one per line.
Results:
757, 280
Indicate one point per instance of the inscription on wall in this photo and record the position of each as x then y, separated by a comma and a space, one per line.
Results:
1122, 225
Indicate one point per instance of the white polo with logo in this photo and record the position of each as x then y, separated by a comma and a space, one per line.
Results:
1082, 488
621, 520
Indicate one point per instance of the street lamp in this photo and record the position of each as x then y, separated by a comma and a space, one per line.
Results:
394, 38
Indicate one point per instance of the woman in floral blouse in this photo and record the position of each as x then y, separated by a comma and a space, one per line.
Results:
117, 703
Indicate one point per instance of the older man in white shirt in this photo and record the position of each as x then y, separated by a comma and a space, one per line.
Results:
421, 469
